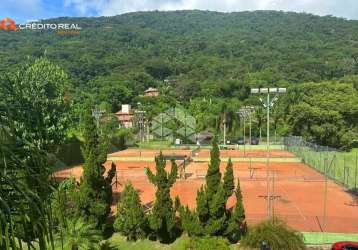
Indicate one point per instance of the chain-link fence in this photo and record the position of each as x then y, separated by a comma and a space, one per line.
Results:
340, 166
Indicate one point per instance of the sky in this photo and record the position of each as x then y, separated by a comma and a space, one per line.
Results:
25, 10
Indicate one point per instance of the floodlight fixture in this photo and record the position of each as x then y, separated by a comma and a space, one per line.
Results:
273, 90
282, 90
264, 90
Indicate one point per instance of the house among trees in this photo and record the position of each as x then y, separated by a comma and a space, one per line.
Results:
151, 92
125, 116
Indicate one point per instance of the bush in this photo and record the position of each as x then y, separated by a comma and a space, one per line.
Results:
207, 243
276, 233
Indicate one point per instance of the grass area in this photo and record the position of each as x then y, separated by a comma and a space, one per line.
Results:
310, 238
180, 244
318, 238
340, 166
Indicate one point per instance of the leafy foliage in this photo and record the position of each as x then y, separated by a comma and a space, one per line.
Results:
213, 175
206, 61
131, 220
36, 102
189, 221
211, 215
276, 233
229, 184
79, 235
162, 219
33, 120
208, 243
63, 202
237, 225
95, 191
325, 113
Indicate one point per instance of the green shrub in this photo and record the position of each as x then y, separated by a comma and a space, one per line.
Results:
276, 233
208, 243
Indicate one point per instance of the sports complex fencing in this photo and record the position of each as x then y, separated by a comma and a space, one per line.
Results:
341, 167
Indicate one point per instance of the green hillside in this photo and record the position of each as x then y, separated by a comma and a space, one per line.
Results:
214, 55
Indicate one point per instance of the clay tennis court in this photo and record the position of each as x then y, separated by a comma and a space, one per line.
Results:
200, 153
299, 190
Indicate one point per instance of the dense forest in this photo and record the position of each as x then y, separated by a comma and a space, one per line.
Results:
207, 62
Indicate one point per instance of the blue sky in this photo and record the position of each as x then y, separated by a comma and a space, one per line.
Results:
23, 10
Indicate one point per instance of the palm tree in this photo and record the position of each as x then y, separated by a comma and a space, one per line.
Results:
78, 235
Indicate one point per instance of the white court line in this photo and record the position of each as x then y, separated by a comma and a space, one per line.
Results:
293, 203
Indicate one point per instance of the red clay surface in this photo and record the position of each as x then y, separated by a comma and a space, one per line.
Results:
299, 190
200, 153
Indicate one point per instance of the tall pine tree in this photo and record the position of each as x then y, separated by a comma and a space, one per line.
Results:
212, 198
202, 207
95, 191
190, 221
213, 175
131, 220
229, 184
237, 225
216, 224
162, 219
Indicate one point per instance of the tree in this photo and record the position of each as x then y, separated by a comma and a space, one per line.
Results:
324, 112
237, 225
162, 219
190, 221
33, 118
229, 184
130, 220
213, 175
202, 207
95, 191
211, 200
216, 223
24, 215
35, 97
78, 234
63, 202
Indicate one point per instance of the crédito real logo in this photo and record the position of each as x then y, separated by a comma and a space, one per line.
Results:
9, 24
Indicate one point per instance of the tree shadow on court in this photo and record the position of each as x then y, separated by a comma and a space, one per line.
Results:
354, 193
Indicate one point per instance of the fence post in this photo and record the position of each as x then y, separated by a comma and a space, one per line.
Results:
335, 167
344, 170
355, 172
325, 167
320, 160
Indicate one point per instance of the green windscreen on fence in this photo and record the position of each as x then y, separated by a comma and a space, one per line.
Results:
340, 166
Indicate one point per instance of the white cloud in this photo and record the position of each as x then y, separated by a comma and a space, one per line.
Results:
342, 8
85, 6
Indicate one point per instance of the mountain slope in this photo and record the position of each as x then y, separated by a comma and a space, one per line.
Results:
292, 47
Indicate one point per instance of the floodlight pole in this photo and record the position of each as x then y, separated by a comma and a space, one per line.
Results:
224, 123
267, 105
244, 116
268, 156
250, 128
